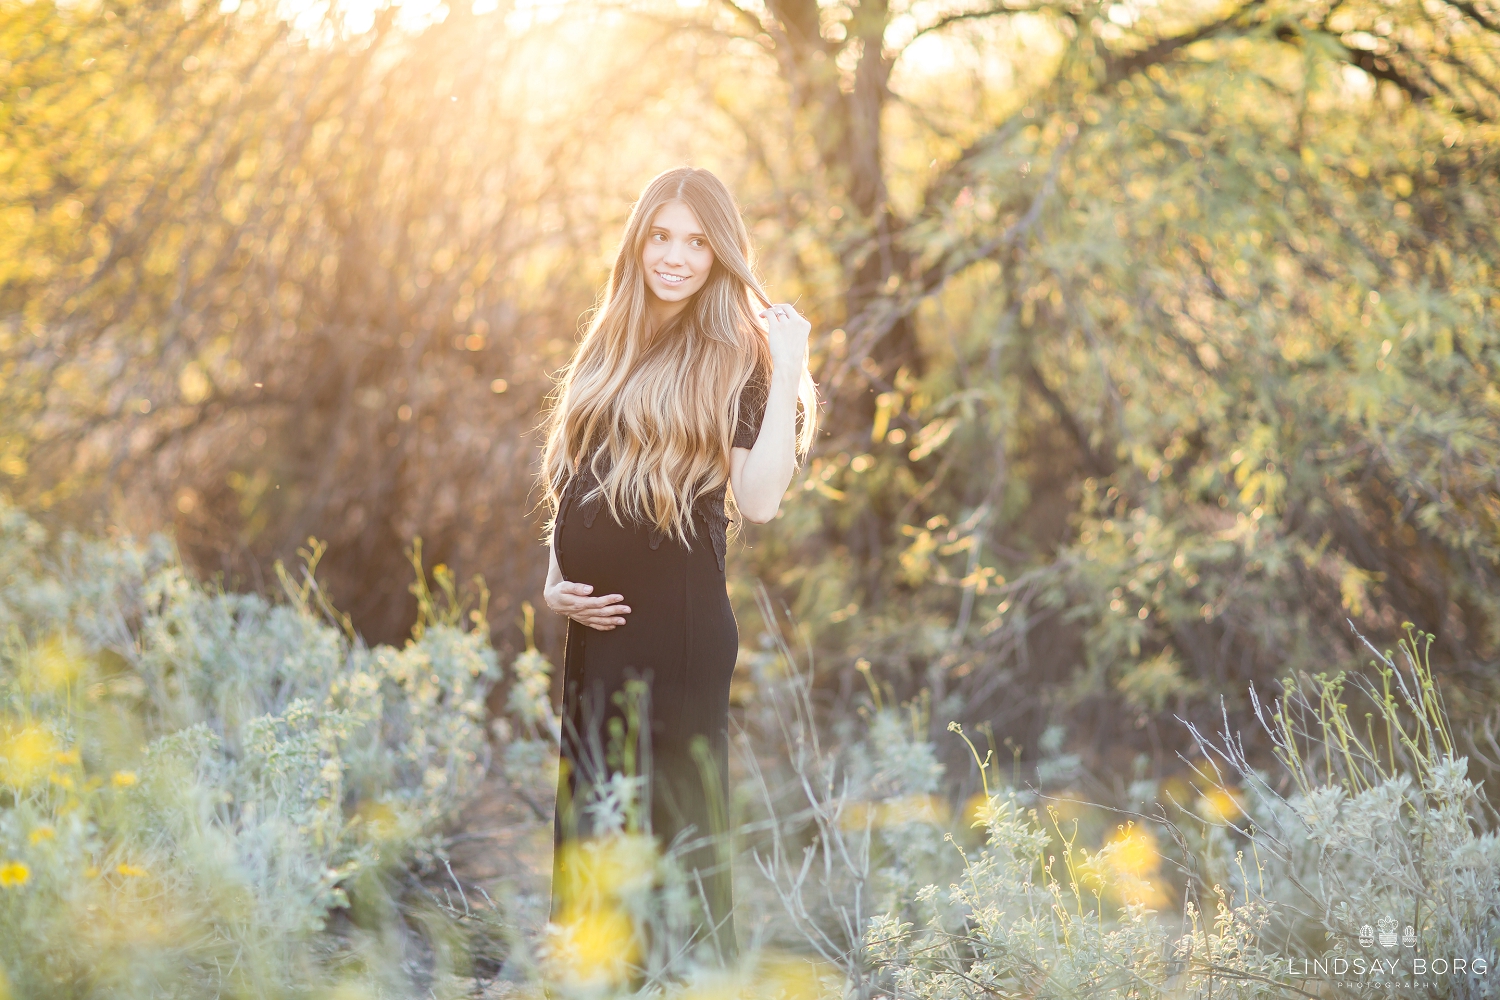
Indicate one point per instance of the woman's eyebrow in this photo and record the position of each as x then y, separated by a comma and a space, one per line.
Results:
664, 229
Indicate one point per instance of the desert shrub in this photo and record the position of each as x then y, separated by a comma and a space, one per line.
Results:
530, 729
1369, 865
192, 781
1382, 835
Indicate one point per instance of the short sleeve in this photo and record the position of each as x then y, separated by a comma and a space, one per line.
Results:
752, 411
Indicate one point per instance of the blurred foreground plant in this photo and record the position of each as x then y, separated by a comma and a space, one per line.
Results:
193, 781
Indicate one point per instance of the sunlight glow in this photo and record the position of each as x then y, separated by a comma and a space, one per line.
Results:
321, 19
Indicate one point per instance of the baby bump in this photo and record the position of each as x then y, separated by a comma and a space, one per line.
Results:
680, 628
652, 582
610, 558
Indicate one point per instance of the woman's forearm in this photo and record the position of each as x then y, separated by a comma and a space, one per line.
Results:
768, 469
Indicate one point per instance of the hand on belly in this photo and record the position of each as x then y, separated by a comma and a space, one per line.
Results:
573, 600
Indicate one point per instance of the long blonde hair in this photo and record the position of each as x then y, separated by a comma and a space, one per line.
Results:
660, 408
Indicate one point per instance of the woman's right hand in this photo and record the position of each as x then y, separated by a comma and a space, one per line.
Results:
787, 333
573, 600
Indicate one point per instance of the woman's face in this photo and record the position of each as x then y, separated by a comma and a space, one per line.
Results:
677, 259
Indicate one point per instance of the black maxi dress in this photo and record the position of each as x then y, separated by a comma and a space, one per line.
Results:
681, 638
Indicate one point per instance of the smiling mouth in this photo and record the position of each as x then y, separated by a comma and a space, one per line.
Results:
671, 279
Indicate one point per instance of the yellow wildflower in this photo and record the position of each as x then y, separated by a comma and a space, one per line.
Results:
1219, 805
26, 756
130, 871
600, 945
66, 756
1132, 861
606, 868
381, 821
42, 833
91, 872
56, 663
14, 873
929, 809
123, 779
976, 809
789, 977
1133, 852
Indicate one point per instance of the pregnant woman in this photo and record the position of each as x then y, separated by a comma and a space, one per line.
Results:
677, 391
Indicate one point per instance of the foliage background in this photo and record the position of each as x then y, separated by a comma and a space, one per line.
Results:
1156, 339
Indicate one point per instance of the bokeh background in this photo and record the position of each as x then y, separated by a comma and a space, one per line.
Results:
1158, 341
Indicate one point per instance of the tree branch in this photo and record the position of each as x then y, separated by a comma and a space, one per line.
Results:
1118, 68
1381, 68
884, 313
969, 15
1486, 21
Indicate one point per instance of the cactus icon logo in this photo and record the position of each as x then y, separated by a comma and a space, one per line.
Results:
1409, 936
1367, 936
1387, 932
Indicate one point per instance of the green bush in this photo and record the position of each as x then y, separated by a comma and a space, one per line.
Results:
193, 781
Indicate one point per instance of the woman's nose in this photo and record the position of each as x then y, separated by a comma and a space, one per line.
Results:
674, 254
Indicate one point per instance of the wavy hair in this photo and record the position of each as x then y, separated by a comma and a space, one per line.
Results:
654, 412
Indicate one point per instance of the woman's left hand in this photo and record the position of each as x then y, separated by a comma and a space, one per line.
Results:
787, 334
